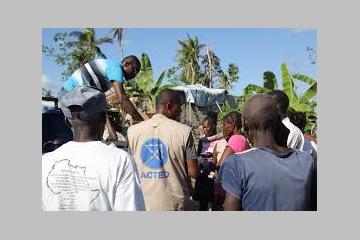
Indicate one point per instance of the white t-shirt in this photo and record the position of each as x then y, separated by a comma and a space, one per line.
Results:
90, 176
296, 137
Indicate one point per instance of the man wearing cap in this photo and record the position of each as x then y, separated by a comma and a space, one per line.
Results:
86, 174
165, 156
268, 177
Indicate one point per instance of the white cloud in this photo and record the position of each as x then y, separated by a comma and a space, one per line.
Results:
45, 81
50, 84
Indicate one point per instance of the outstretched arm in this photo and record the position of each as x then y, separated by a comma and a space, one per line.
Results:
125, 102
111, 129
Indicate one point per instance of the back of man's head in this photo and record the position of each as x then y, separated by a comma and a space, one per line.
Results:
168, 102
167, 96
260, 114
281, 99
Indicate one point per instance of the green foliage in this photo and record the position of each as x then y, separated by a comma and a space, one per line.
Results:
145, 77
170, 73
233, 71
46, 92
270, 81
288, 85
146, 86
117, 33
198, 64
311, 91
74, 49
225, 109
311, 117
228, 79
303, 103
210, 68
189, 59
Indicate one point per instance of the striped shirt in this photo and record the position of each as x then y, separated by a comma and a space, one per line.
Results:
98, 73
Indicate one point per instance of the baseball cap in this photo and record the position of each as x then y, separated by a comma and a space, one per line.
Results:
90, 101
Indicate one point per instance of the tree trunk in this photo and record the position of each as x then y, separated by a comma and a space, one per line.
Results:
210, 67
188, 75
190, 111
192, 73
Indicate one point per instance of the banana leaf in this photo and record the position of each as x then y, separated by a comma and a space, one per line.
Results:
158, 83
310, 93
270, 81
304, 78
144, 79
252, 88
300, 107
288, 85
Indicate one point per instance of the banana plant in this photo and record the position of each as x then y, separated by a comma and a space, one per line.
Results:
145, 84
303, 103
270, 84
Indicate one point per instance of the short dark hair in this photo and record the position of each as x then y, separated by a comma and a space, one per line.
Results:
93, 123
134, 60
234, 117
89, 120
281, 99
260, 113
167, 96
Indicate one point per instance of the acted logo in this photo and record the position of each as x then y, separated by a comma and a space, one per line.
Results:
154, 155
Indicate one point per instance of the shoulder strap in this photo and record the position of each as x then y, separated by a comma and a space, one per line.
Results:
93, 75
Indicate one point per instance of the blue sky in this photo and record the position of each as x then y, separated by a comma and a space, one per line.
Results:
254, 50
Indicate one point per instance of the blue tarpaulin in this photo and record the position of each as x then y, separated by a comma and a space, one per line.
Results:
202, 96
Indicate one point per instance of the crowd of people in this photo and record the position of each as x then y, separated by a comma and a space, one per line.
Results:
260, 161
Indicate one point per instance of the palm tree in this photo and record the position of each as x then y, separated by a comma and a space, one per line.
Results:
87, 45
211, 65
189, 58
228, 79
117, 33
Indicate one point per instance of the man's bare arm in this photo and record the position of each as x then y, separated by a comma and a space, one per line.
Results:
193, 169
125, 102
111, 129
